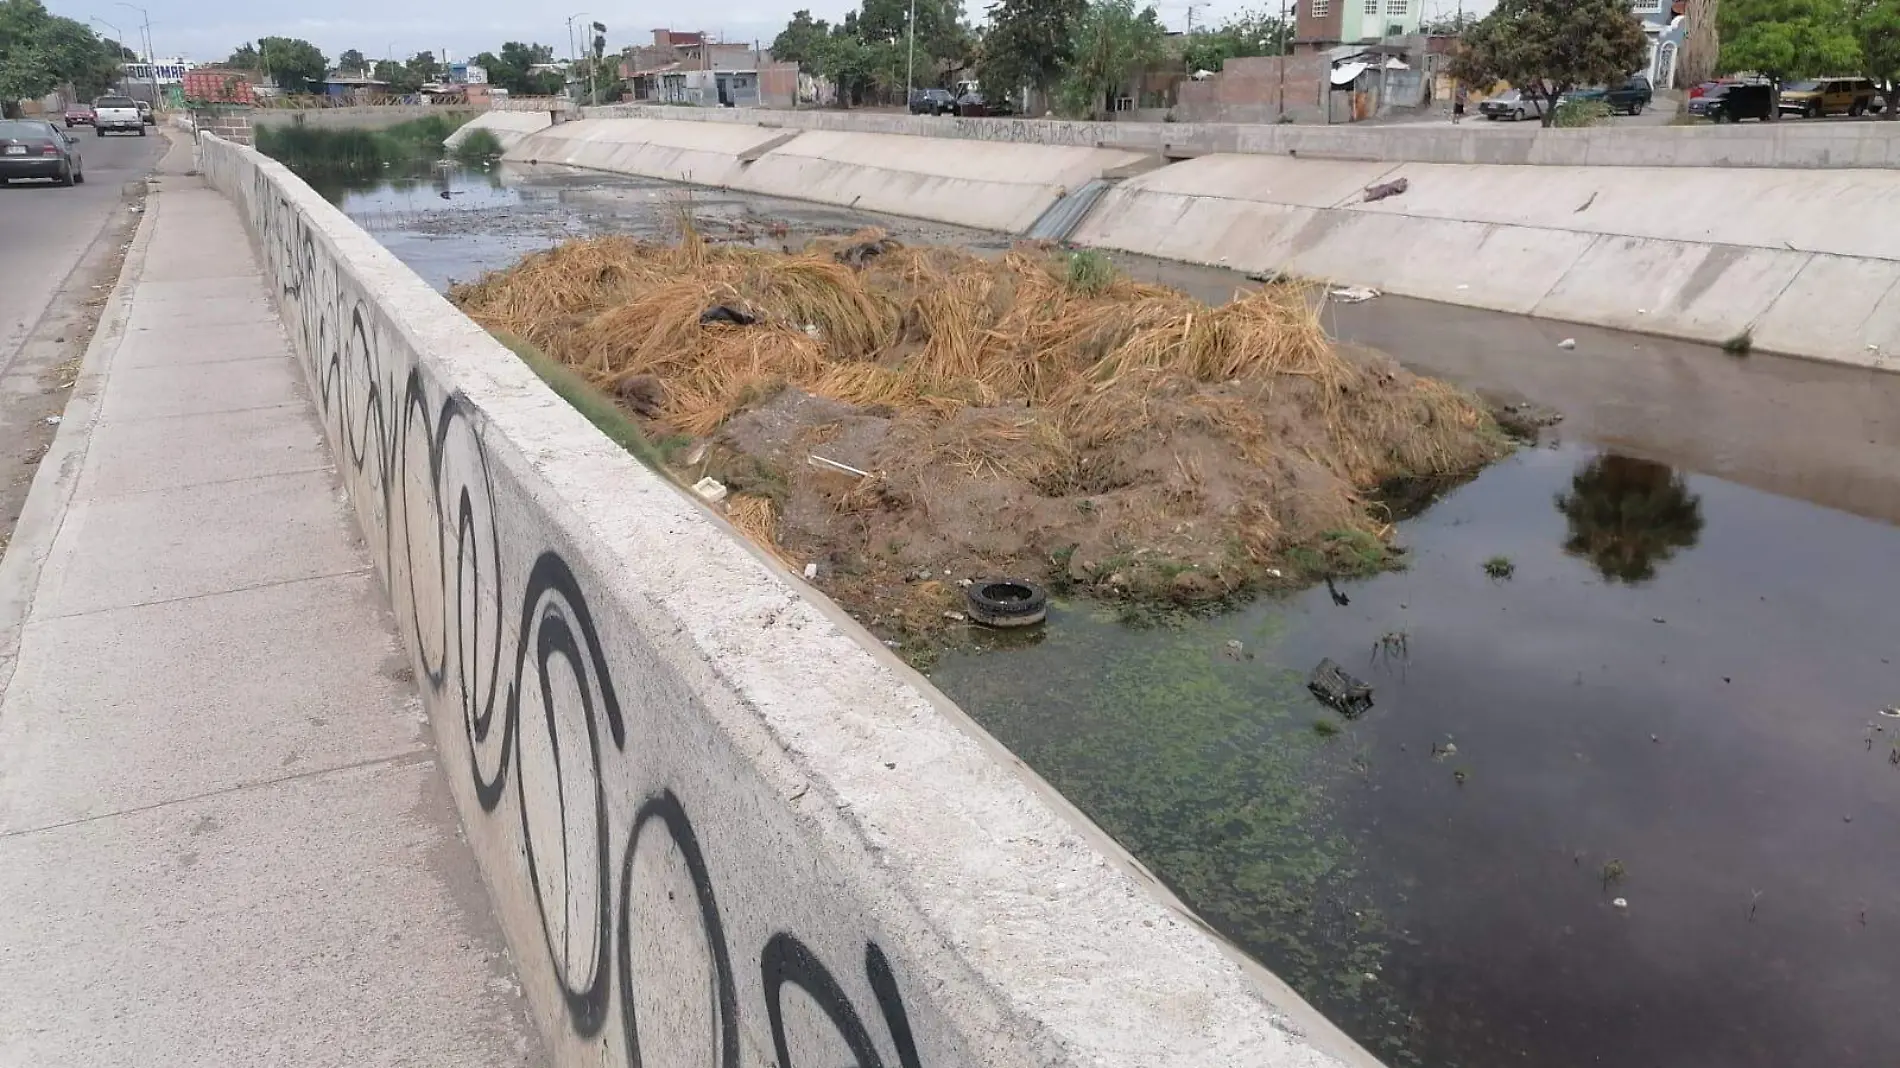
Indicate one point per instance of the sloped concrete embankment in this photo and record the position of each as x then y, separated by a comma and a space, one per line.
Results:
692, 787
990, 186
365, 117
1802, 262
509, 127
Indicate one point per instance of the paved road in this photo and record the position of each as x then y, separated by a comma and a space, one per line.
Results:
45, 228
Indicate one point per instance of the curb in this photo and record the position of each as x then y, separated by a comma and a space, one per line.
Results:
58, 475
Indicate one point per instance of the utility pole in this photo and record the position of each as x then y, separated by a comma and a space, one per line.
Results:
1284, 53
910, 63
151, 64
573, 57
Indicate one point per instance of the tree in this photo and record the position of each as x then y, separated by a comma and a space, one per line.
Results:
1028, 44
245, 57
423, 67
1786, 39
1250, 33
1877, 26
294, 64
513, 69
1549, 47
801, 39
1114, 43
352, 61
1700, 43
397, 76
40, 51
1626, 516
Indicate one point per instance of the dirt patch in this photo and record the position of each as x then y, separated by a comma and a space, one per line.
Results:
908, 418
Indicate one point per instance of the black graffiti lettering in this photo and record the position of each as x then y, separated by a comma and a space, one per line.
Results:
425, 488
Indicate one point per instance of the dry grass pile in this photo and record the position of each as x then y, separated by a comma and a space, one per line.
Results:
1020, 414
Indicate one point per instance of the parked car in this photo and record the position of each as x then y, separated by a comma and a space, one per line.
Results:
35, 148
1733, 103
79, 115
145, 112
972, 103
932, 102
1632, 96
1513, 104
116, 113
1828, 96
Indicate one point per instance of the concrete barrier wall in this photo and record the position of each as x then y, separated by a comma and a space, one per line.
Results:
989, 186
1793, 144
366, 117
509, 127
1802, 260
691, 786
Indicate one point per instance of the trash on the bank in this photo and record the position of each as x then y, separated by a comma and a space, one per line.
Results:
725, 313
52, 420
821, 461
1330, 683
1567, 343
1354, 294
811, 570
710, 489
1386, 189
1891, 713
1620, 903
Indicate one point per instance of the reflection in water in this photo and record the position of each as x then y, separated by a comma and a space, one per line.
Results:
1628, 515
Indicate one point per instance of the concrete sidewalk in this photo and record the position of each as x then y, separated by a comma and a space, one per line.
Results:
224, 837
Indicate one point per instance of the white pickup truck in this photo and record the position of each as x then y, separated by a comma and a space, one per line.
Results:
117, 113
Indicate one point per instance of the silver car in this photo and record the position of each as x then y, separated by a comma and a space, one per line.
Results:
1514, 104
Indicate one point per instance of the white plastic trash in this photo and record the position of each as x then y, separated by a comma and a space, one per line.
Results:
710, 490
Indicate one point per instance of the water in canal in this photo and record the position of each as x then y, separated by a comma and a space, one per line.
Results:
1633, 804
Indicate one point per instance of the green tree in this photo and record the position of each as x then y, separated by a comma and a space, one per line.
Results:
1626, 516
1549, 47
1029, 43
423, 67
296, 65
513, 69
1250, 33
801, 39
1786, 39
39, 52
1877, 26
1114, 43
850, 64
245, 57
399, 77
353, 62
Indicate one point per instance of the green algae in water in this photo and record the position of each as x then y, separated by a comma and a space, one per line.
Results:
1203, 762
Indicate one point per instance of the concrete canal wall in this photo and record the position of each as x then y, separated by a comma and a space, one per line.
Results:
691, 785
509, 127
1781, 145
1802, 261
367, 117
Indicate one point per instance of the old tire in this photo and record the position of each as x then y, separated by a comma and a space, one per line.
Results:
1007, 603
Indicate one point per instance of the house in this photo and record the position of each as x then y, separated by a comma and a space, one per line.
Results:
1322, 24
1666, 27
341, 86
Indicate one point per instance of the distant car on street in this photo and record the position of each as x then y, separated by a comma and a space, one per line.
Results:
1733, 103
1828, 96
79, 115
145, 112
1514, 104
35, 148
116, 113
932, 102
1631, 96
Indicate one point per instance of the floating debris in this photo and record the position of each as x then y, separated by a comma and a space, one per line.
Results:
1330, 683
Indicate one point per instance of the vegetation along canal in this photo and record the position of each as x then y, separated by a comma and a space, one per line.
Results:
1626, 792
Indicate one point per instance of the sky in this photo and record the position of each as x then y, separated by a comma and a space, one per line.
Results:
208, 30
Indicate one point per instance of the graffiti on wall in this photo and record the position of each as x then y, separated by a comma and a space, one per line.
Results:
542, 716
